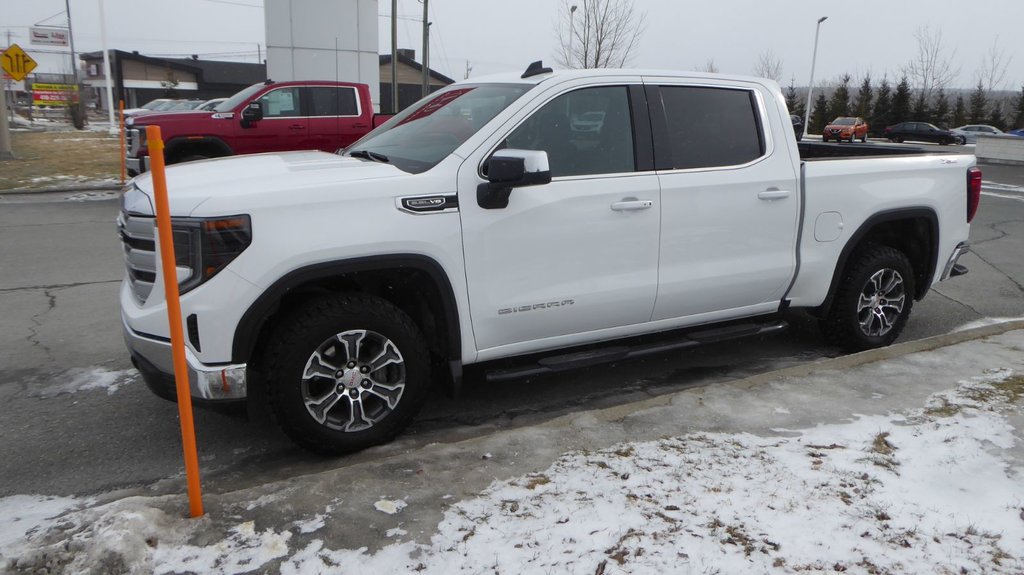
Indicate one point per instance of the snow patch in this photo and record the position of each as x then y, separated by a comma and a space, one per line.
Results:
389, 507
85, 379
25, 514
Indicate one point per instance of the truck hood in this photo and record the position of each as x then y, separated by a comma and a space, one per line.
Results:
287, 174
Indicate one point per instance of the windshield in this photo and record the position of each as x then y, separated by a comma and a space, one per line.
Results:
420, 137
153, 104
844, 122
231, 103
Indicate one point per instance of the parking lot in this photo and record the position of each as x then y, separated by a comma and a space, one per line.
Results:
80, 421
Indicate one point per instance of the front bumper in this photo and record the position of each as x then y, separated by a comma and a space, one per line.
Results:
952, 269
137, 166
153, 358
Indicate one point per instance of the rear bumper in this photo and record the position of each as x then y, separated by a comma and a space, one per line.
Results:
212, 383
952, 269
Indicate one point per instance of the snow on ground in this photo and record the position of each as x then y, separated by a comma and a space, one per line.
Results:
986, 321
83, 379
926, 491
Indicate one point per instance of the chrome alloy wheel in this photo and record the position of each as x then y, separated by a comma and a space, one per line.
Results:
881, 302
353, 380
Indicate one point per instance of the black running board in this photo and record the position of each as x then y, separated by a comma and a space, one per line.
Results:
575, 360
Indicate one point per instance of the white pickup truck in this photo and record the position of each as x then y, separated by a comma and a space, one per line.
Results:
531, 219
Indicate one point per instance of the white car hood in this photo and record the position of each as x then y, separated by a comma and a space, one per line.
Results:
290, 173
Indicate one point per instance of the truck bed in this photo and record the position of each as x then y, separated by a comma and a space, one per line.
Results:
826, 151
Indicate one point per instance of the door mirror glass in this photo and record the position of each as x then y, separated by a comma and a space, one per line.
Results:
509, 169
251, 114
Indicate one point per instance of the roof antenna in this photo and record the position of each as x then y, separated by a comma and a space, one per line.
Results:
535, 69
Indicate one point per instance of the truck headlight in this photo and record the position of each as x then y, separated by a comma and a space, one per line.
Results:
204, 246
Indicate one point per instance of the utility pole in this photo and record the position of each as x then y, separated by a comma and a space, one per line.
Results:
394, 56
468, 70
426, 53
71, 39
113, 129
5, 132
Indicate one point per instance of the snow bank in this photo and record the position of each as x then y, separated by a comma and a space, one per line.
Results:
84, 379
929, 490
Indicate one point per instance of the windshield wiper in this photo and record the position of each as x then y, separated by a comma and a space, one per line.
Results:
368, 155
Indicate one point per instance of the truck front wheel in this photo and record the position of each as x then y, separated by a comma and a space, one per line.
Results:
873, 301
346, 372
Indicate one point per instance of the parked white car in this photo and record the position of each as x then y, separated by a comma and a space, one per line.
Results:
478, 226
970, 132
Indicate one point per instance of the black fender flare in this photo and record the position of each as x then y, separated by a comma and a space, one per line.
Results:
879, 218
248, 329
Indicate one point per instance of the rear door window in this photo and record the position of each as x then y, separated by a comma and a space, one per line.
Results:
711, 127
333, 101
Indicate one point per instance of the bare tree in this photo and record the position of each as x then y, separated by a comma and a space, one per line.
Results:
768, 66
710, 67
597, 33
932, 67
992, 73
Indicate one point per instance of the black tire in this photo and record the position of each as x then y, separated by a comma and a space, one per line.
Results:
824, 138
864, 138
898, 139
873, 301
308, 343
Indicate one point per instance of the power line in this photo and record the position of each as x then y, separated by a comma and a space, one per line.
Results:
440, 40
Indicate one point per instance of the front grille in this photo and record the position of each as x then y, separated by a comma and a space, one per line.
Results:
138, 238
133, 141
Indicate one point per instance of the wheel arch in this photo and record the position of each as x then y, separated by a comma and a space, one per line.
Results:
211, 146
914, 231
431, 302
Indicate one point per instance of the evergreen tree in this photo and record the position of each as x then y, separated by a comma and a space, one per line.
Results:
882, 110
996, 117
901, 103
941, 112
959, 112
921, 113
793, 100
862, 108
979, 102
1018, 112
839, 104
818, 114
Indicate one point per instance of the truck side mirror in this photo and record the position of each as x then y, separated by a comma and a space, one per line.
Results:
508, 169
251, 114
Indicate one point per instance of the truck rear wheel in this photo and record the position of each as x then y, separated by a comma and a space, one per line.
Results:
346, 372
873, 302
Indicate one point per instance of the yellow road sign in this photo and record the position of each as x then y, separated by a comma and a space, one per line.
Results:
17, 63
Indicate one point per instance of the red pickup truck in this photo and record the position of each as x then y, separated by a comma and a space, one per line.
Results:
266, 117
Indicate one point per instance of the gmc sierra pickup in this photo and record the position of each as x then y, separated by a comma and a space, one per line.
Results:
530, 219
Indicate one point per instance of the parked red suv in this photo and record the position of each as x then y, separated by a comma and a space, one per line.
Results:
846, 128
267, 117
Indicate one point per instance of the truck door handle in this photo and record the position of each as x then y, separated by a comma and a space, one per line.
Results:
632, 204
296, 127
773, 194
360, 125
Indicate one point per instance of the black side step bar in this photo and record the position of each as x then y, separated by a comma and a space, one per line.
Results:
557, 363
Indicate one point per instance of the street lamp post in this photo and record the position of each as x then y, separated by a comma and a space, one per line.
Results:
810, 85
572, 32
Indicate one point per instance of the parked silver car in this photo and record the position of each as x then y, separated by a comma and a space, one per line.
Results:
970, 132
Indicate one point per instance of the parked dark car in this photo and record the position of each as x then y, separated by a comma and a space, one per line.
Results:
798, 126
921, 132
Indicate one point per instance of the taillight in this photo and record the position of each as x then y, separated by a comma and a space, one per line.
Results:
973, 192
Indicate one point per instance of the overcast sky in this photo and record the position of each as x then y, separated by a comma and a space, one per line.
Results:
869, 36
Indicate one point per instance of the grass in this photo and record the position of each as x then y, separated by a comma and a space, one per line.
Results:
44, 159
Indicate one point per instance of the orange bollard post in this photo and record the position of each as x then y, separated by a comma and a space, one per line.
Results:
167, 261
124, 167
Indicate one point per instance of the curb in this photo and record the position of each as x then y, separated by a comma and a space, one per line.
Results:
63, 189
832, 364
